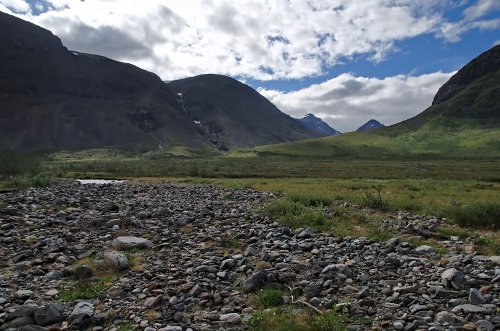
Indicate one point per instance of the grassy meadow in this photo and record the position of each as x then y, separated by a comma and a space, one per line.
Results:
326, 193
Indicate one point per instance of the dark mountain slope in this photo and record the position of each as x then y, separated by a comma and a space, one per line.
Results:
235, 114
56, 99
482, 65
371, 124
52, 98
317, 124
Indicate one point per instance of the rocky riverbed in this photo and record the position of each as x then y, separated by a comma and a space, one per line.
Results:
165, 256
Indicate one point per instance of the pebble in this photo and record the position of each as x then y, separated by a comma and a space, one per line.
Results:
185, 277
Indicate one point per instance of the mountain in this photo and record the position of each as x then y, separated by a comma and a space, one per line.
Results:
371, 124
317, 124
52, 98
462, 123
235, 115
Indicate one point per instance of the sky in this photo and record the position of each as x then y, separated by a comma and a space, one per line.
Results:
345, 61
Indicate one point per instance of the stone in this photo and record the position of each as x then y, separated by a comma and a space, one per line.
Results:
250, 251
484, 325
417, 307
33, 328
398, 325
153, 301
306, 233
364, 292
86, 308
23, 294
495, 260
453, 278
54, 275
469, 309
20, 321
49, 314
171, 328
232, 318
129, 242
338, 268
475, 297
111, 260
81, 316
256, 282
228, 264
447, 317
83, 271
425, 249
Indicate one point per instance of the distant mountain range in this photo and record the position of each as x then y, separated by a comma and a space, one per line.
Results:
463, 122
371, 124
317, 124
52, 98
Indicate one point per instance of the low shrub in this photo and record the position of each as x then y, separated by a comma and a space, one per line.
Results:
375, 201
483, 215
295, 214
269, 298
83, 290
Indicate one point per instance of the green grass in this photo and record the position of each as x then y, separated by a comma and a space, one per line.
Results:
233, 244
83, 290
286, 319
295, 214
269, 298
478, 214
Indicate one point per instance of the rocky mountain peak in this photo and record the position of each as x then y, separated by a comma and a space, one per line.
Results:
485, 63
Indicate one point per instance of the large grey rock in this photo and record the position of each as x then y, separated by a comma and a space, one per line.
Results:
82, 316
475, 297
83, 308
495, 260
153, 301
469, 309
49, 314
447, 317
129, 242
111, 260
54, 275
23, 294
231, 318
256, 282
27, 310
338, 268
484, 325
453, 278
82, 272
20, 321
425, 249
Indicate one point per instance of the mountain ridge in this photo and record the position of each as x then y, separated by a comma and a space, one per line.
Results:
318, 124
370, 125
54, 99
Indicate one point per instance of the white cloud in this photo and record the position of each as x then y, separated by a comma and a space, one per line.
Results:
346, 102
481, 8
496, 43
15, 6
275, 39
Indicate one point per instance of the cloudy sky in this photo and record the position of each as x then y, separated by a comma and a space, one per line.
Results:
346, 61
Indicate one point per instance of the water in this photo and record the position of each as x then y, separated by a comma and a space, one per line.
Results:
98, 181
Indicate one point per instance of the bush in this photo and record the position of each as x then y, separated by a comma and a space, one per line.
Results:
334, 321
375, 201
310, 199
484, 215
270, 298
295, 214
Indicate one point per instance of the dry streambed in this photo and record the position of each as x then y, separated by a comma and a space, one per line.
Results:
164, 256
